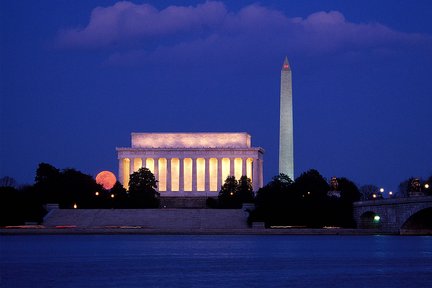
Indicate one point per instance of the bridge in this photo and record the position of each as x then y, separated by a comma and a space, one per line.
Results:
411, 215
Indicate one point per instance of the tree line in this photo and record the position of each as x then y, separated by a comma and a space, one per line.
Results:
309, 201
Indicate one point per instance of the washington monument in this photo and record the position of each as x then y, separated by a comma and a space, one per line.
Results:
286, 145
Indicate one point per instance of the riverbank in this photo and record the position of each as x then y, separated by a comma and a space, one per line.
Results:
146, 231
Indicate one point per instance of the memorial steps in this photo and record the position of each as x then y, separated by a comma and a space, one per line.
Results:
167, 219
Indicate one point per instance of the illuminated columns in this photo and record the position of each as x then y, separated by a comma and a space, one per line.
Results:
194, 174
191, 164
181, 174
244, 173
232, 170
168, 174
255, 174
219, 173
121, 171
156, 169
131, 165
207, 174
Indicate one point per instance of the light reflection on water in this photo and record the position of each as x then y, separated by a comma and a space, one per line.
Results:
215, 261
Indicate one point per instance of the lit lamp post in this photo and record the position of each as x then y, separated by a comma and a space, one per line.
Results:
381, 195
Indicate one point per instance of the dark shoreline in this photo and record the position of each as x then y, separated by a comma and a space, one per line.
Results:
251, 231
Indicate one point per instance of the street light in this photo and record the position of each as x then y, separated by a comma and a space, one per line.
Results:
426, 186
381, 190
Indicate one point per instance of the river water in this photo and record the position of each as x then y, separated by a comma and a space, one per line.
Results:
215, 261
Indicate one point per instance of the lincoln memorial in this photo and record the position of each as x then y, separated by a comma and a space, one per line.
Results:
192, 164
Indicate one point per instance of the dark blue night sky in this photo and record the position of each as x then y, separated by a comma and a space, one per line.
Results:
77, 77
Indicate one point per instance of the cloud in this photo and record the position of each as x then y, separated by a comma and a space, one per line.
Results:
149, 32
125, 21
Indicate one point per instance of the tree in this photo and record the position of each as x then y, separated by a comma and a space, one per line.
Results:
77, 188
228, 195
339, 211
7, 182
245, 190
367, 192
312, 185
142, 189
274, 202
349, 190
47, 183
405, 187
120, 195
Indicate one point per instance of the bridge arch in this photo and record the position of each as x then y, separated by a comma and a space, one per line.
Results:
396, 215
370, 220
421, 220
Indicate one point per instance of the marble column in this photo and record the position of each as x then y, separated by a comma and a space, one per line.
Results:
194, 174
156, 169
244, 160
181, 175
219, 173
207, 174
168, 174
121, 171
255, 174
131, 165
232, 171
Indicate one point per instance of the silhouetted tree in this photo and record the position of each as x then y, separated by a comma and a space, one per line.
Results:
47, 183
311, 188
142, 189
7, 182
339, 210
120, 195
367, 191
245, 190
275, 202
405, 187
11, 212
228, 195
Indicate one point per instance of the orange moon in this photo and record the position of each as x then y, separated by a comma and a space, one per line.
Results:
107, 179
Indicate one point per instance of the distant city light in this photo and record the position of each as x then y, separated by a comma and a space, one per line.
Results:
231, 193
381, 190
376, 218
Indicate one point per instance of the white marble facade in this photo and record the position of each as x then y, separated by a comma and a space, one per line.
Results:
192, 164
